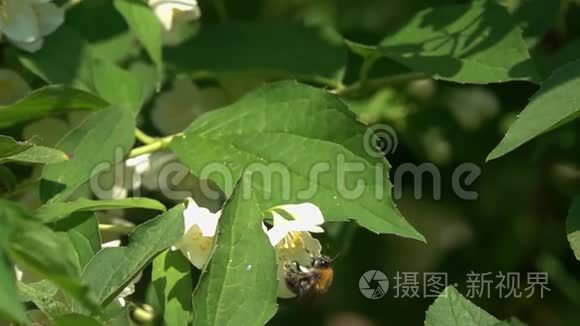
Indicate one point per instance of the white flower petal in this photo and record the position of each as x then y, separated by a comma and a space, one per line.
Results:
168, 10
18, 21
196, 247
112, 244
316, 229
209, 223
276, 235
29, 46
306, 213
50, 17
165, 15
202, 217
279, 230
189, 215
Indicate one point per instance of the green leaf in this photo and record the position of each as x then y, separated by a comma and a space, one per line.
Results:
112, 269
38, 154
10, 147
535, 17
453, 309
49, 100
75, 320
171, 278
239, 285
111, 41
553, 105
82, 229
43, 251
67, 58
52, 256
11, 150
476, 43
573, 227
8, 180
42, 295
146, 27
52, 212
292, 130
118, 86
10, 307
96, 145
267, 49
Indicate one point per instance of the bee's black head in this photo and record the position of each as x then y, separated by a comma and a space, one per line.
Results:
321, 262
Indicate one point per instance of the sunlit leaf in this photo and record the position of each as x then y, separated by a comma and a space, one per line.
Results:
110, 130
113, 268
42, 294
49, 100
296, 136
83, 230
239, 285
52, 212
453, 309
552, 106
473, 43
40, 249
171, 278
146, 27
10, 307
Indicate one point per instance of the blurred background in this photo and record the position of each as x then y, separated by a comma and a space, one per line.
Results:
517, 223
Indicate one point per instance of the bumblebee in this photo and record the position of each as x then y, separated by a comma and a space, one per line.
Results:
309, 281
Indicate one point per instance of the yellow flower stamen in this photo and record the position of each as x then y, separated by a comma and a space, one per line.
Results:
292, 240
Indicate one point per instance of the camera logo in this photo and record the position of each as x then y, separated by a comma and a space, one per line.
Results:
373, 284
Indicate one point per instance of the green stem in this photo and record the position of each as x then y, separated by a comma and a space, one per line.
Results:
144, 138
373, 84
367, 64
155, 146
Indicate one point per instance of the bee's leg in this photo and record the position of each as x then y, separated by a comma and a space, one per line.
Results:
292, 266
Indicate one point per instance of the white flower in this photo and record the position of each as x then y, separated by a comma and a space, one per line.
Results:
307, 217
26, 22
169, 10
12, 87
292, 239
174, 110
200, 226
